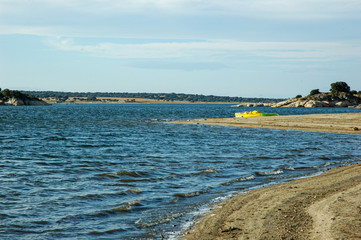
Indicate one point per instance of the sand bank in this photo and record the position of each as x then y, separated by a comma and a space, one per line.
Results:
326, 206
334, 123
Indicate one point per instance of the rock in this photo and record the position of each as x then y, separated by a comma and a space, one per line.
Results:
25, 102
259, 105
326, 104
14, 101
285, 103
342, 104
323, 100
313, 103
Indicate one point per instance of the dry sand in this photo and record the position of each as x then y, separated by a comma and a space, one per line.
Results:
327, 206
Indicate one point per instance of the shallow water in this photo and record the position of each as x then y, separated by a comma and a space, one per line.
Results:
125, 172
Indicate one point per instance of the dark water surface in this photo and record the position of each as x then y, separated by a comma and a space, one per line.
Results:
125, 172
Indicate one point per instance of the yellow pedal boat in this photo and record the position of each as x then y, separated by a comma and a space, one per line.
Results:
254, 114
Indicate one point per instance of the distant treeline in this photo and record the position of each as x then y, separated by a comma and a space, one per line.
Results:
156, 96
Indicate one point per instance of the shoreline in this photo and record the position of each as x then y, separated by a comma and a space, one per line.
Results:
349, 123
325, 206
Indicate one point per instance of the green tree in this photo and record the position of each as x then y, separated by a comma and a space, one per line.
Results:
6, 93
314, 92
339, 87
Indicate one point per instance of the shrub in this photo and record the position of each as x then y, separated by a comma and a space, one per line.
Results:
314, 92
298, 96
339, 87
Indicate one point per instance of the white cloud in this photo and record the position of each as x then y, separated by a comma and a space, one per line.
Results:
216, 50
127, 17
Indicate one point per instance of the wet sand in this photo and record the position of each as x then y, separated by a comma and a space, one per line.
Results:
327, 206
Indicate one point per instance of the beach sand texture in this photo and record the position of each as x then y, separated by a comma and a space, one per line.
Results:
334, 123
327, 206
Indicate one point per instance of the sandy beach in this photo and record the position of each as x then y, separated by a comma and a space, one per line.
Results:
326, 206
334, 123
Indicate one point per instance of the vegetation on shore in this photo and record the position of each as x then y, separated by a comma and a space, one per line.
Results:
340, 95
336, 89
132, 97
14, 97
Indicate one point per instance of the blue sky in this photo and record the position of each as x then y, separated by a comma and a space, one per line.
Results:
246, 48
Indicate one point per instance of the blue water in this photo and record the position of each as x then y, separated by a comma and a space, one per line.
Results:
125, 172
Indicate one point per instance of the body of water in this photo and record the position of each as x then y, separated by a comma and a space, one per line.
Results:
124, 172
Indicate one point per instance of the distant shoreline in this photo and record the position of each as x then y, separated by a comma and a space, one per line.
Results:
114, 100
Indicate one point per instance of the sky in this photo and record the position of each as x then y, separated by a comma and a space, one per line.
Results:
243, 48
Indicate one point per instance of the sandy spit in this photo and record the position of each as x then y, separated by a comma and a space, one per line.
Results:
327, 206
335, 123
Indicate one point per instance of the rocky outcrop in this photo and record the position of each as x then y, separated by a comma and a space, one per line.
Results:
253, 105
25, 102
16, 98
323, 100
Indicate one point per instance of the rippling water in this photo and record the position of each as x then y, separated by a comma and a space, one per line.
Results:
125, 172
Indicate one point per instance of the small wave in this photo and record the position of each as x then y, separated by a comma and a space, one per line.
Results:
87, 146
267, 173
142, 223
241, 179
107, 232
135, 190
288, 168
127, 180
202, 172
174, 200
55, 138
121, 208
121, 173
329, 164
264, 157
191, 194
124, 207
209, 170
41, 222
312, 148
99, 195
50, 156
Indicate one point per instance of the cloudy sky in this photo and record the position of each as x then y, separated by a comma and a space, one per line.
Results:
247, 48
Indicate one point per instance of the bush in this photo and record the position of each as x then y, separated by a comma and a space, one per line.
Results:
91, 98
298, 96
339, 87
6, 93
314, 92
